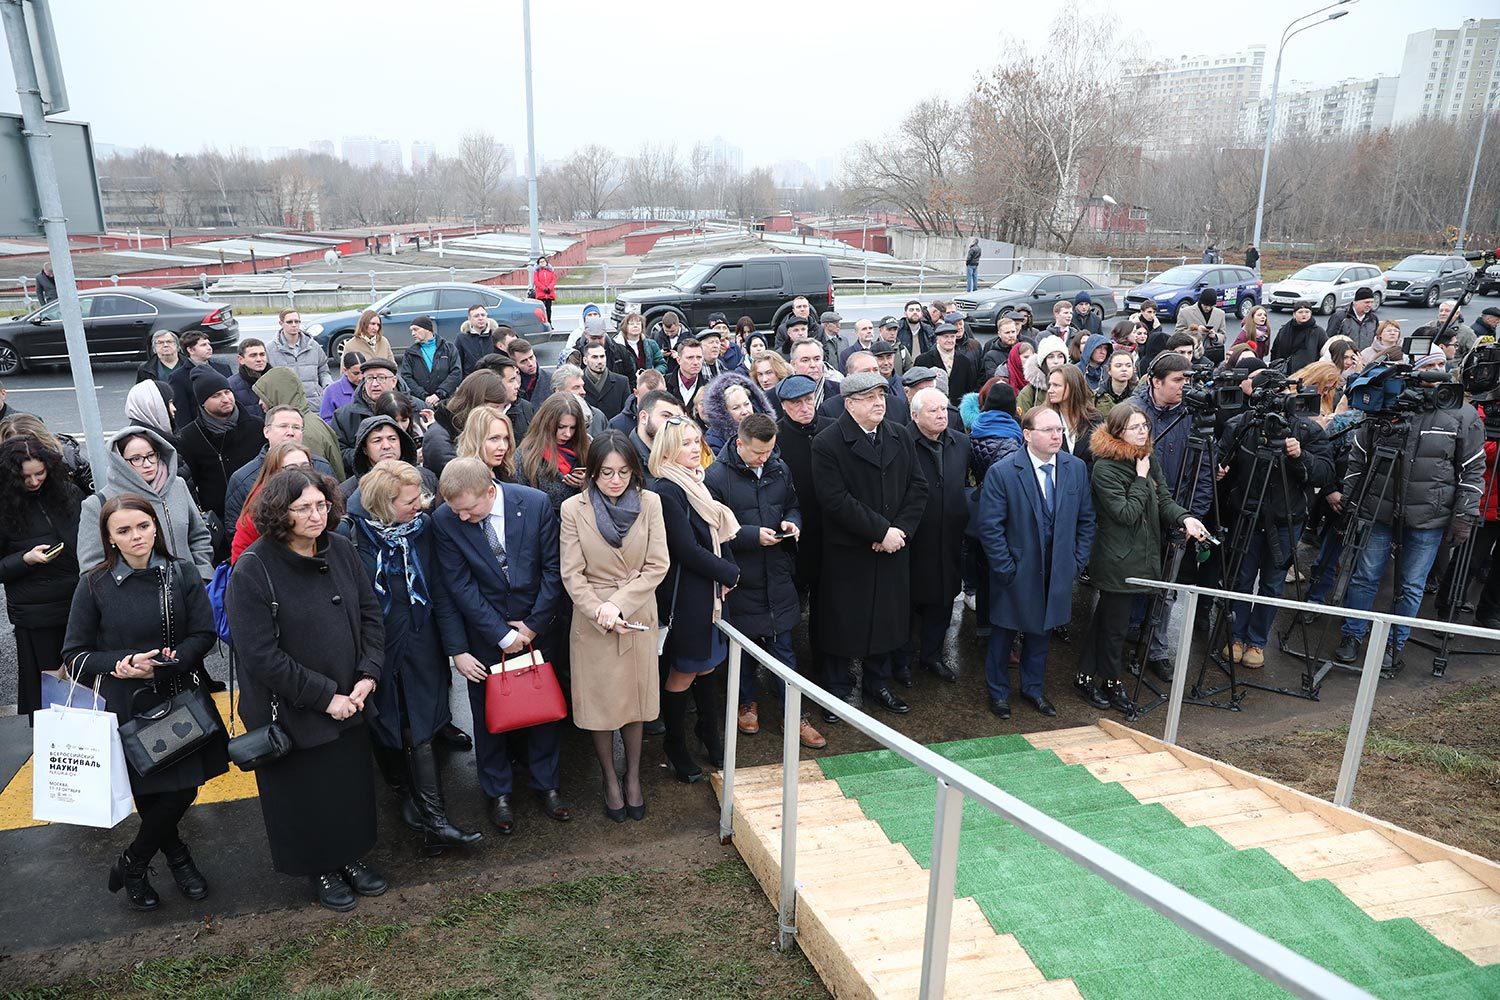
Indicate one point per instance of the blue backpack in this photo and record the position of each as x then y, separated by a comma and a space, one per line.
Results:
218, 590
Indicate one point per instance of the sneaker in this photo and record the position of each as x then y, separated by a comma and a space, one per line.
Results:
1235, 652
1348, 650
810, 737
749, 718
1254, 657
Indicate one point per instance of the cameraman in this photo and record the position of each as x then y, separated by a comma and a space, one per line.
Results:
1443, 479
1161, 399
1272, 544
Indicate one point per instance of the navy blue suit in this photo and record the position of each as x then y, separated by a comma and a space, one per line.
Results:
1033, 560
489, 599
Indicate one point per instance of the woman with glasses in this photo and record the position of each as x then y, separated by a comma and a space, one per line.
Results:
311, 644
142, 461
1134, 509
342, 390
368, 338
691, 596
614, 555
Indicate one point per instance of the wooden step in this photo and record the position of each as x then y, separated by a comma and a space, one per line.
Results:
1143, 765
1474, 930
1290, 828
1355, 853
1224, 804
1168, 783
1078, 736
1102, 749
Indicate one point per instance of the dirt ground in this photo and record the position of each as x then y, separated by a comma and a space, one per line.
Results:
1431, 763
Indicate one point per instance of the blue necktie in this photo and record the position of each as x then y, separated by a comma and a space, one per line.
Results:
1047, 492
496, 545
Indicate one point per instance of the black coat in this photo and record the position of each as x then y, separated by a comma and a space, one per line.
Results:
440, 380
865, 489
213, 458
330, 635
765, 601
609, 398
939, 537
119, 613
1313, 469
418, 640
964, 377
795, 442
701, 565
1299, 344
345, 424
40, 596
181, 381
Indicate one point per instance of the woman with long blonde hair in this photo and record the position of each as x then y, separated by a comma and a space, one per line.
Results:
489, 437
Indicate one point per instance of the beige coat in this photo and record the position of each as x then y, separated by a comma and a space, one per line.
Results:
615, 678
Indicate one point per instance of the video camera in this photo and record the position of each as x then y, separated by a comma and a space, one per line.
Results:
1202, 393
1481, 374
1268, 395
1396, 388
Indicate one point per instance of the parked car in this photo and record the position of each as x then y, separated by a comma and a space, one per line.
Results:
1239, 289
1424, 278
447, 302
759, 287
1037, 289
1489, 282
1327, 286
117, 323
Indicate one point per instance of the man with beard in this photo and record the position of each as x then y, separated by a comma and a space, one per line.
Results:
220, 438
253, 362
914, 332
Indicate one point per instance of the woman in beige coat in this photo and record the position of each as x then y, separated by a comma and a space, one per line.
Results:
614, 554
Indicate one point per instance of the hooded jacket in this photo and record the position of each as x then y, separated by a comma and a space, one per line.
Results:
346, 423
1132, 513
1094, 374
993, 435
473, 345
187, 534
1034, 393
362, 463
281, 387
721, 426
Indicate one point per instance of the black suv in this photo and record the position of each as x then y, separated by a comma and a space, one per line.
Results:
759, 287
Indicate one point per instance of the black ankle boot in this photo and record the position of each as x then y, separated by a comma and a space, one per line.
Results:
674, 714
185, 872
438, 833
131, 875
710, 718
393, 769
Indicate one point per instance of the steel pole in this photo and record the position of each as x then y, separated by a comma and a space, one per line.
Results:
536, 232
54, 225
1463, 221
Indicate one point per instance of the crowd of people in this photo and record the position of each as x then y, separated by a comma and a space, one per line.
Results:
391, 527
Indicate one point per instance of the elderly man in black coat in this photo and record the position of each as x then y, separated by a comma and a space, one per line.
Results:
870, 485
799, 424
943, 456
750, 480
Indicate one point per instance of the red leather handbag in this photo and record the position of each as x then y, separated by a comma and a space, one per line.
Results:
528, 696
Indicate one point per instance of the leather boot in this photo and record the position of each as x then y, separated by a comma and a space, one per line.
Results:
438, 833
131, 875
674, 713
185, 872
392, 764
710, 718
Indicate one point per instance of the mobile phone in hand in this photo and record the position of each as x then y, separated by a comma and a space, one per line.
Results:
785, 534
636, 626
54, 552
166, 663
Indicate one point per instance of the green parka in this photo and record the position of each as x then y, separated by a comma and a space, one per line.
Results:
1133, 513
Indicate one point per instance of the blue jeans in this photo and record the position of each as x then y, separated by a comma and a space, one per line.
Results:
1419, 549
971, 278
1252, 625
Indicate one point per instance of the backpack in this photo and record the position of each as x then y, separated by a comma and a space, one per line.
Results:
218, 590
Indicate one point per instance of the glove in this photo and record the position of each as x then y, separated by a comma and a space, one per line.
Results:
1459, 531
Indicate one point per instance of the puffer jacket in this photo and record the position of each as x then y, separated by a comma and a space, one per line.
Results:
765, 601
307, 360
1444, 462
1312, 470
187, 534
1133, 512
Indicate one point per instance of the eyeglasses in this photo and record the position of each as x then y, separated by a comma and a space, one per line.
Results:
141, 461
1139, 425
381, 377
309, 509
1046, 430
614, 473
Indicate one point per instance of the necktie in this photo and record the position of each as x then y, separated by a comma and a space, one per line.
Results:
496, 545
1047, 494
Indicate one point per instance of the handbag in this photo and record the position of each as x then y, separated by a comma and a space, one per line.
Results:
270, 742
525, 696
171, 730
663, 630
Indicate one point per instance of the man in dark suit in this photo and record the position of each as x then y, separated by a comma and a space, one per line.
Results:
868, 481
963, 373
608, 391
498, 547
1036, 522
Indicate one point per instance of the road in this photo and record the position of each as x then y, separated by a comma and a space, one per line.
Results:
51, 394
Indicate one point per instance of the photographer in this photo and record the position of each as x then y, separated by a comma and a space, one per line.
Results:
1283, 501
1442, 479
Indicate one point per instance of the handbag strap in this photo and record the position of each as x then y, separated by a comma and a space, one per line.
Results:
672, 610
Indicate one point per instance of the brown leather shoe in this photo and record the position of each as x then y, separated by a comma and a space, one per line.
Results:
749, 718
810, 737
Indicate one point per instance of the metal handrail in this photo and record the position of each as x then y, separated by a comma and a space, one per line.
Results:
1271, 960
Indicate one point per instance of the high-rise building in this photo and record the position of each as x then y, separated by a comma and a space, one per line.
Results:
1353, 107
322, 147
1450, 73
1199, 98
365, 151
422, 153
726, 155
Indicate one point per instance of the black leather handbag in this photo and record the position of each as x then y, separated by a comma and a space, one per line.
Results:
270, 742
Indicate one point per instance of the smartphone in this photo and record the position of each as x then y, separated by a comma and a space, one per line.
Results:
54, 552
637, 626
785, 534
166, 663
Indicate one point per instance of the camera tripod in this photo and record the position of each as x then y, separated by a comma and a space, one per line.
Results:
1384, 478
1269, 459
1453, 590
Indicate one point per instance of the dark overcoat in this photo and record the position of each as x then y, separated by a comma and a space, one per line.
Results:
935, 548
701, 565
794, 442
864, 490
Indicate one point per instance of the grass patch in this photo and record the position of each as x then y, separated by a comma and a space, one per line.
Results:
701, 933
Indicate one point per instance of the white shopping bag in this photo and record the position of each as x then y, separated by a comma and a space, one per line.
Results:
78, 768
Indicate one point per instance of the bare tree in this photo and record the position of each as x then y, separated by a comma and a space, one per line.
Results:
482, 163
911, 170
655, 177
593, 176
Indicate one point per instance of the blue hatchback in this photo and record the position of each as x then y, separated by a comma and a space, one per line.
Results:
1238, 288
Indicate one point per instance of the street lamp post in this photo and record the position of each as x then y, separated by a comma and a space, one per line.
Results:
1463, 221
1265, 158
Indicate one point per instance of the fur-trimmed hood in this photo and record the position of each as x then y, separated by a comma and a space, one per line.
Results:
490, 326
1106, 445
717, 414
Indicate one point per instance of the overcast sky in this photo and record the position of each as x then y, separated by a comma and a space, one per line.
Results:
782, 79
